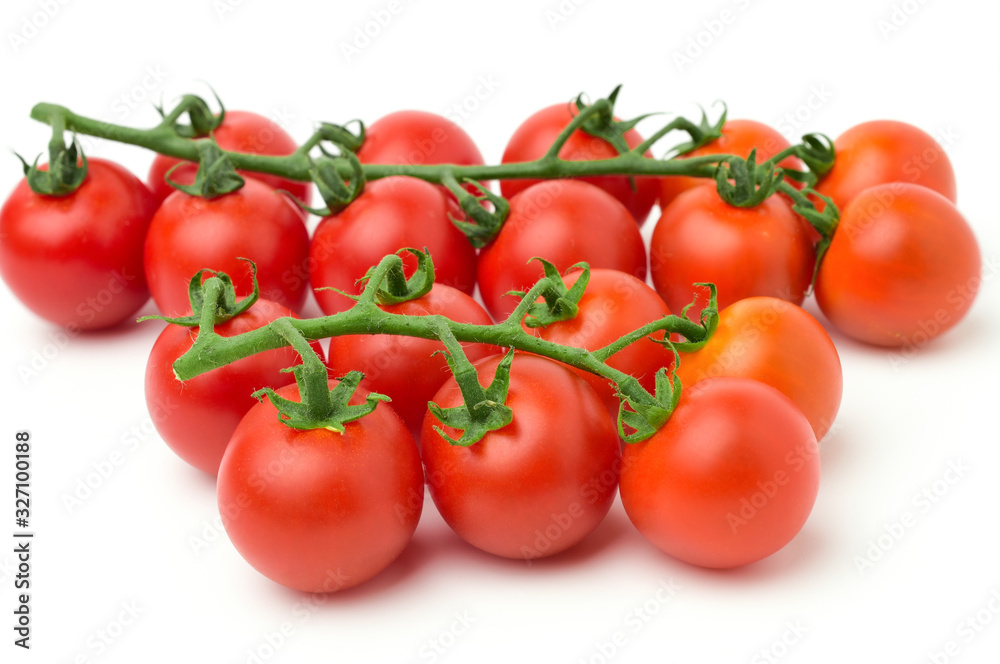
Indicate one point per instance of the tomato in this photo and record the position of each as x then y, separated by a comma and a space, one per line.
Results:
76, 260
770, 340
537, 486
408, 369
884, 151
390, 214
316, 510
739, 137
613, 305
240, 131
763, 250
197, 417
564, 222
537, 134
416, 138
903, 267
728, 480
188, 234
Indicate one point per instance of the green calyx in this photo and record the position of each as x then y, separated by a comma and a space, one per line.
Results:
396, 287
486, 223
559, 302
745, 183
484, 409
216, 175
66, 171
223, 305
203, 120
337, 191
323, 409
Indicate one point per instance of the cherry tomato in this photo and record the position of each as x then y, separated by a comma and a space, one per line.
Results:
537, 134
240, 131
884, 151
537, 486
730, 479
188, 234
613, 305
390, 214
197, 418
564, 222
76, 260
408, 369
416, 138
316, 510
739, 137
775, 342
903, 267
764, 250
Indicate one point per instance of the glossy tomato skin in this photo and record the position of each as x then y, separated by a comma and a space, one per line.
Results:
407, 369
763, 250
197, 418
729, 480
537, 134
903, 267
777, 343
316, 510
564, 222
883, 151
739, 137
240, 131
189, 234
390, 214
613, 305
537, 486
76, 260
416, 138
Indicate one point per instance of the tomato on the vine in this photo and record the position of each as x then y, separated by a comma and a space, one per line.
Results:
189, 233
76, 260
537, 486
240, 131
536, 135
565, 222
903, 267
730, 478
316, 510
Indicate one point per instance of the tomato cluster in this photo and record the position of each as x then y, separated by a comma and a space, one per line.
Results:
730, 478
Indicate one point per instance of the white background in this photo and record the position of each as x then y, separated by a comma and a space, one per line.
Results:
903, 422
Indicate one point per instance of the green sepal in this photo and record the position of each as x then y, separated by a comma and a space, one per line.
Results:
337, 409
203, 120
709, 320
645, 417
483, 410
559, 303
603, 125
66, 171
704, 132
818, 153
340, 135
228, 308
336, 192
752, 183
396, 287
485, 223
216, 175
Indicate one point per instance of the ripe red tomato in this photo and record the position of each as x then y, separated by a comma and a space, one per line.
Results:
390, 214
770, 340
197, 418
316, 510
76, 260
763, 250
739, 137
613, 305
537, 486
903, 267
416, 138
240, 131
188, 234
564, 222
884, 151
728, 480
408, 369
537, 134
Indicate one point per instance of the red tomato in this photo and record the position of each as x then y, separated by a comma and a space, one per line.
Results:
613, 305
390, 214
777, 343
564, 222
764, 250
537, 486
416, 138
197, 418
739, 137
884, 151
76, 260
316, 510
730, 479
904, 266
240, 131
537, 134
407, 368
188, 234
